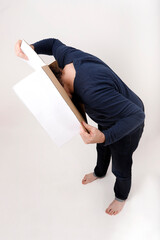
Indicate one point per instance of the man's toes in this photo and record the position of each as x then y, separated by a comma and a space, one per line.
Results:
109, 211
115, 213
84, 181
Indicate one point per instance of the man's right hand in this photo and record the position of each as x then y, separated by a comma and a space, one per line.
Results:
19, 51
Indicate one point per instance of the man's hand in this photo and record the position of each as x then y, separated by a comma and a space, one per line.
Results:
93, 135
19, 51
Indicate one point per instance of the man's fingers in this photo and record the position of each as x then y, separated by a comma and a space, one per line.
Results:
86, 137
83, 129
22, 55
87, 126
19, 51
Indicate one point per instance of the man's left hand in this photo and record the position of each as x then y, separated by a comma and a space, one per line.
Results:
93, 135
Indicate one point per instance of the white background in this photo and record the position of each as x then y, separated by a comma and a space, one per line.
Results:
41, 195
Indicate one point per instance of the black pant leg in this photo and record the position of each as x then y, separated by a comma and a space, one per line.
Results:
103, 160
122, 152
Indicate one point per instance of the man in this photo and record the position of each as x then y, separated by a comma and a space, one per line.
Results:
117, 110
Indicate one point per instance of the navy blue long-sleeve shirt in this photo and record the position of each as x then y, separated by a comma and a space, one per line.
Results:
107, 99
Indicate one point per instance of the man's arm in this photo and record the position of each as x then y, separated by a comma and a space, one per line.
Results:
45, 46
52, 46
62, 53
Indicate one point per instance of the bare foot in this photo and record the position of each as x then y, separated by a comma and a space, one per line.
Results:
115, 207
88, 178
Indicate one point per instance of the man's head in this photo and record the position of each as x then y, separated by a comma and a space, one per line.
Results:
62, 77
57, 71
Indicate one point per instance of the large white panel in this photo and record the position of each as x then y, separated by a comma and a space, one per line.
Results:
41, 97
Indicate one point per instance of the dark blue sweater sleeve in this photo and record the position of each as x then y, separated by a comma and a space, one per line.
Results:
44, 46
62, 53
127, 115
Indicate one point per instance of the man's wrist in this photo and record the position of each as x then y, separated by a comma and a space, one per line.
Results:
32, 46
103, 138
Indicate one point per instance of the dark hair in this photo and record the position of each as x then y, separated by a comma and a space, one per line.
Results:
56, 70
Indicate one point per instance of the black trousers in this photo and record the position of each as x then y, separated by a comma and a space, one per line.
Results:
121, 153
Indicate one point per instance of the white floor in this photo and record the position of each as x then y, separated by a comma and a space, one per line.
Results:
41, 195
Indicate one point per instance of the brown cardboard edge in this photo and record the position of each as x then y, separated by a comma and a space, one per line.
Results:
63, 93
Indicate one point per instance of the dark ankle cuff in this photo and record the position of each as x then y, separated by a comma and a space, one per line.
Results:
120, 200
94, 174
